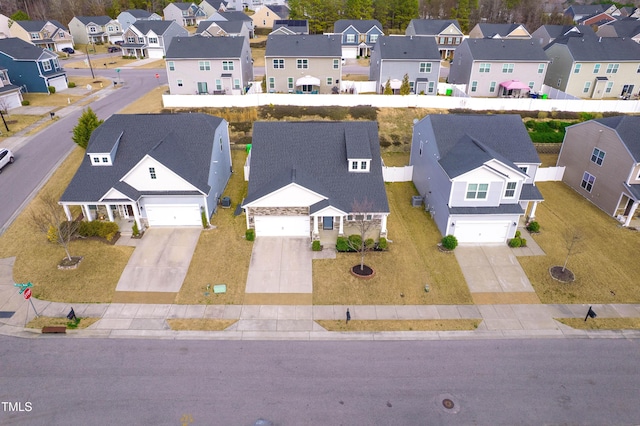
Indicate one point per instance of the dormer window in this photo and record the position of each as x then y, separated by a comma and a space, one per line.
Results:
96, 159
359, 165
105, 159
354, 165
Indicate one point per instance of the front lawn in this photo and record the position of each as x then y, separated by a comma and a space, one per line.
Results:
412, 261
606, 257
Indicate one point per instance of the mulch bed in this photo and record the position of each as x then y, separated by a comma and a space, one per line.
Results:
364, 272
558, 274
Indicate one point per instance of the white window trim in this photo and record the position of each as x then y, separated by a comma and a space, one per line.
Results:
477, 190
506, 189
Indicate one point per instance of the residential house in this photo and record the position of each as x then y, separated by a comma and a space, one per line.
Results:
594, 67
499, 67
130, 16
602, 163
10, 94
212, 6
357, 36
509, 31
156, 169
315, 180
394, 56
476, 174
628, 28
151, 39
209, 65
578, 12
223, 29
267, 14
45, 34
233, 15
184, 13
446, 32
548, 33
630, 12
597, 20
290, 27
32, 68
303, 64
95, 29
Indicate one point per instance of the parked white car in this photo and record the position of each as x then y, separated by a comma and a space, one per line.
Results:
6, 157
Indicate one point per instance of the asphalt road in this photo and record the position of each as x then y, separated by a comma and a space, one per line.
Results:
36, 160
158, 382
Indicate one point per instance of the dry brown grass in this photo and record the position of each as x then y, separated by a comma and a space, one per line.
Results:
548, 160
40, 322
16, 123
396, 124
59, 99
257, 54
401, 325
355, 77
151, 103
159, 64
199, 324
605, 261
115, 61
602, 323
396, 159
36, 259
412, 261
222, 255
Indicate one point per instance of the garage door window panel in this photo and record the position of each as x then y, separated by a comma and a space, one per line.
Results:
477, 191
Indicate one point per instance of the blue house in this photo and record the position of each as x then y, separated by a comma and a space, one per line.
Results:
358, 36
32, 68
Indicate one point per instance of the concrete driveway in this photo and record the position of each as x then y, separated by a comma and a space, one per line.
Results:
160, 261
492, 269
280, 265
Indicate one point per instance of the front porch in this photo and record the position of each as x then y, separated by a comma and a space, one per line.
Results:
124, 214
327, 229
627, 211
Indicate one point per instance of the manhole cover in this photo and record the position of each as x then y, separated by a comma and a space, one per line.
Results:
448, 404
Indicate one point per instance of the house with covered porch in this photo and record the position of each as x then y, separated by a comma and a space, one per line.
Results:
152, 169
316, 180
602, 163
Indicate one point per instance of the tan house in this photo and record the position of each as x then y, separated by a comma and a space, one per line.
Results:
517, 31
602, 163
303, 64
266, 15
594, 67
45, 34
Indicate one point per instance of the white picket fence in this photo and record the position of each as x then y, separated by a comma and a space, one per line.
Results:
397, 174
547, 174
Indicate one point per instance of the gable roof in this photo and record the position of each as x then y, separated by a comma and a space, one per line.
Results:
182, 5
407, 47
465, 142
138, 13
32, 26
22, 50
502, 30
555, 31
280, 10
229, 27
314, 155
307, 45
505, 50
627, 27
181, 142
98, 20
627, 128
586, 9
300, 26
198, 47
235, 15
361, 25
432, 27
157, 26
600, 48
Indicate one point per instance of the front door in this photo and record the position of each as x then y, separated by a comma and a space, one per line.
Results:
129, 210
627, 209
327, 223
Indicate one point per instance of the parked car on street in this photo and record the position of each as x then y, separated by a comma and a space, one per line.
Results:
68, 50
112, 49
6, 157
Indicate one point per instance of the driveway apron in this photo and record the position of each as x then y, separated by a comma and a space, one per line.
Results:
280, 265
160, 261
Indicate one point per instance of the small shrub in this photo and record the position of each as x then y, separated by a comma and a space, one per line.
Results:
25, 102
52, 234
96, 228
52, 89
515, 242
134, 229
369, 243
250, 234
518, 234
203, 216
449, 242
523, 242
342, 245
71, 85
382, 243
543, 114
533, 227
315, 246
355, 242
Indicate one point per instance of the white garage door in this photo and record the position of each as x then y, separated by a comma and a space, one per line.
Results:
60, 83
173, 215
282, 226
481, 232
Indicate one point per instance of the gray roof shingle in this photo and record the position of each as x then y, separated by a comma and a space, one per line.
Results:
157, 26
21, 50
407, 47
181, 142
139, 13
362, 25
99, 20
505, 50
600, 48
281, 10
503, 30
32, 26
314, 155
307, 45
432, 27
627, 127
198, 47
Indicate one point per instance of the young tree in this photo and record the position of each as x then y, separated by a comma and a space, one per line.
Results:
87, 123
405, 88
361, 211
572, 240
387, 88
50, 219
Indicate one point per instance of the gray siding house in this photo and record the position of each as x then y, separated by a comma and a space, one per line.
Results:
476, 174
184, 13
499, 67
357, 36
303, 64
446, 32
209, 65
223, 29
602, 160
394, 56
95, 29
151, 39
548, 33
130, 16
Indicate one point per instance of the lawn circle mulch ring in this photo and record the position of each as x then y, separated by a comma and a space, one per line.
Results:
366, 272
558, 274
66, 264
443, 249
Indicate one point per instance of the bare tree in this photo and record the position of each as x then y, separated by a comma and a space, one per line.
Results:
572, 240
51, 220
362, 221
